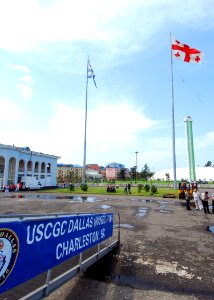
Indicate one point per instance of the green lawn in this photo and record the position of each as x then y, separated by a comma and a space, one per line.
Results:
119, 191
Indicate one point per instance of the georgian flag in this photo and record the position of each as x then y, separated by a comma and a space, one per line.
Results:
184, 52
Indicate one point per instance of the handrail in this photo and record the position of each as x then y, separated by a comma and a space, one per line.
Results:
52, 284
55, 283
29, 217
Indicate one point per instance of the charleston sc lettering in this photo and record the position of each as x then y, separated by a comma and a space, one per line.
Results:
37, 232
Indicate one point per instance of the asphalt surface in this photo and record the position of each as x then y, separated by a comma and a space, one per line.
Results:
166, 252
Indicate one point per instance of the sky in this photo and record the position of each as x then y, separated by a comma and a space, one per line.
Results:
44, 47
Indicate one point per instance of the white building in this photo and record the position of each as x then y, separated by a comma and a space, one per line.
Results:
203, 173
93, 174
16, 162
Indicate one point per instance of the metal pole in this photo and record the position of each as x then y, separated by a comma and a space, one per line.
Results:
173, 122
118, 227
48, 278
136, 168
86, 107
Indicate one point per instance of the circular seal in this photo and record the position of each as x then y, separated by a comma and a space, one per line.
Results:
9, 248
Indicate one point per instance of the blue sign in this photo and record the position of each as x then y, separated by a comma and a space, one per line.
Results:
30, 247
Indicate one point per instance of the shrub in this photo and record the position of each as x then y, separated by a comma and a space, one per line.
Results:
153, 189
139, 187
147, 187
71, 187
169, 196
84, 187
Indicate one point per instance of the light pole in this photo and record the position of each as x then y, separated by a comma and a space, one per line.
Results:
136, 168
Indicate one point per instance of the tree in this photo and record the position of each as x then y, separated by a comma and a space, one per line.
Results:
140, 187
146, 187
122, 174
146, 173
60, 178
84, 187
208, 164
71, 187
133, 172
154, 189
70, 176
167, 176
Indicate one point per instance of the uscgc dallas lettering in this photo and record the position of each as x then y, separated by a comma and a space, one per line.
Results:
9, 248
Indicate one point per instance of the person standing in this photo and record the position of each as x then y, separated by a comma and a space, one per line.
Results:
129, 188
212, 197
6, 191
126, 189
205, 202
187, 198
17, 187
197, 199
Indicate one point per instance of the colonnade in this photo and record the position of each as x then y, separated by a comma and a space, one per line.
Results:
13, 169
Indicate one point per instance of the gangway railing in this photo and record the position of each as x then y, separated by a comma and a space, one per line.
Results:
83, 260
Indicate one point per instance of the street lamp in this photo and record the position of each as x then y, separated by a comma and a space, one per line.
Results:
136, 168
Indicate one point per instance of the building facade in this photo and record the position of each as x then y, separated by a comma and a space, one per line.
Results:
112, 170
16, 162
69, 173
74, 173
93, 167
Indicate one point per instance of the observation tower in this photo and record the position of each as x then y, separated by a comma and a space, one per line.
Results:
190, 148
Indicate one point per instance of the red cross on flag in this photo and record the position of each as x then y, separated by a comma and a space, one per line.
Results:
186, 53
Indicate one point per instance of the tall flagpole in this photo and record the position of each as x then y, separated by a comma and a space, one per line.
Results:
86, 107
173, 121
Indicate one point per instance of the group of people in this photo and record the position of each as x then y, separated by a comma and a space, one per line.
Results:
201, 201
12, 187
127, 189
111, 188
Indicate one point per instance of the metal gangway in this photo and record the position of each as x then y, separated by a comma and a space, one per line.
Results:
45, 283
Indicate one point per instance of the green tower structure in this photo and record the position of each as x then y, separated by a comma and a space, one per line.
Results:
190, 148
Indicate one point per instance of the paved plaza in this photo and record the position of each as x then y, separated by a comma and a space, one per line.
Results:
166, 251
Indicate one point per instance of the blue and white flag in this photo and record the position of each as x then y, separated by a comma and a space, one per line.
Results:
91, 73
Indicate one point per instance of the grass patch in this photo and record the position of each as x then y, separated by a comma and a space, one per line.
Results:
101, 190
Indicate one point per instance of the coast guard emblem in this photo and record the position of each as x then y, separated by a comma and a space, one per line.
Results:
9, 248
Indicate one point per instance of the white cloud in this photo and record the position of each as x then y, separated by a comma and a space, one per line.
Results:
108, 29
27, 79
112, 135
10, 113
22, 68
111, 129
160, 149
26, 82
28, 23
117, 122
26, 91
206, 141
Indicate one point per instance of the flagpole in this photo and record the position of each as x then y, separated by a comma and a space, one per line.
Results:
173, 121
86, 107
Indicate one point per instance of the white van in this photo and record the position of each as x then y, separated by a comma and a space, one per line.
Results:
30, 183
